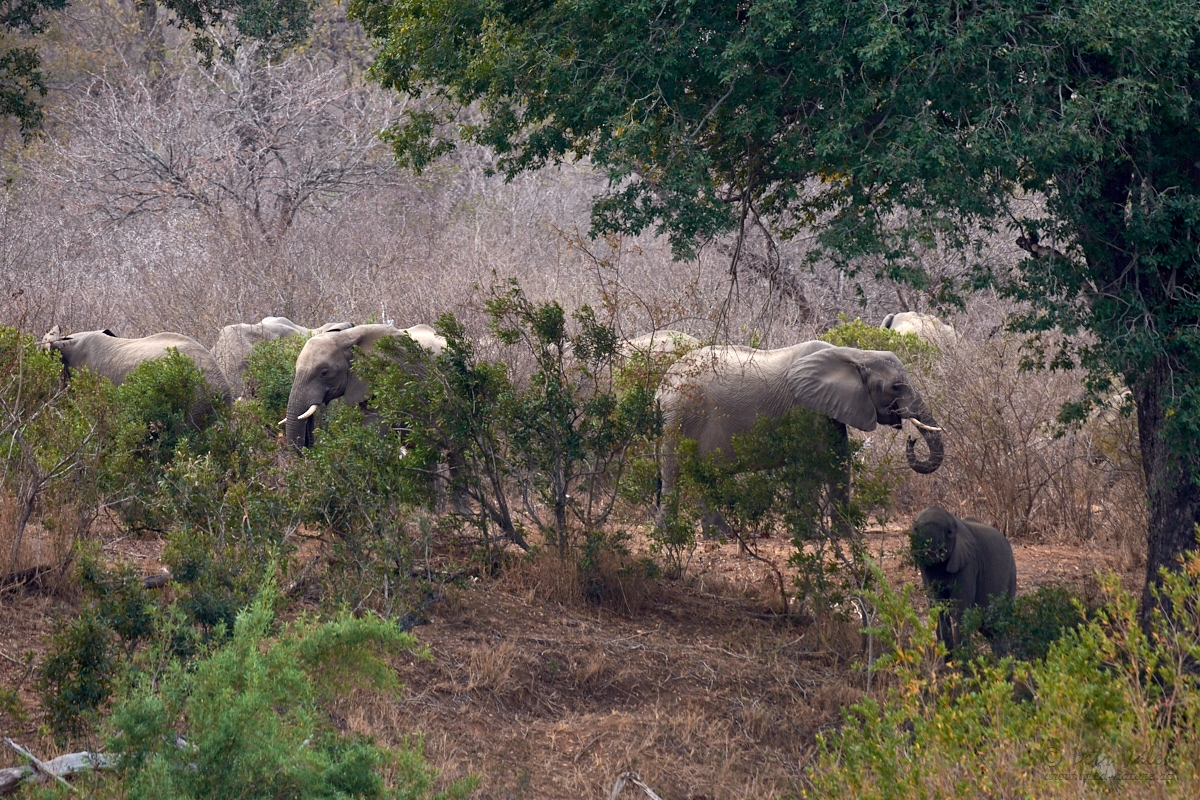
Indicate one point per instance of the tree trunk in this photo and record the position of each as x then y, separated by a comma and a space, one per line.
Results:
1172, 492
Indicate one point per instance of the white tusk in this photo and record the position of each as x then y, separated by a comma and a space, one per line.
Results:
283, 421
925, 427
311, 410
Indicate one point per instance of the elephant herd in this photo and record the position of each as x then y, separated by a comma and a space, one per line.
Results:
709, 394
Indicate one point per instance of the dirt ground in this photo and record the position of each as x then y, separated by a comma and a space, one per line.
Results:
695, 685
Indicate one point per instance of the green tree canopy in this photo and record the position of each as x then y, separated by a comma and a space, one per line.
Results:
1072, 123
22, 84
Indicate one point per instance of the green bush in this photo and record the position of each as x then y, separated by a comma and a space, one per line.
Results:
570, 432
161, 405
1024, 627
270, 370
250, 719
227, 519
1112, 709
787, 474
362, 485
560, 441
120, 597
53, 439
79, 673
912, 350
460, 407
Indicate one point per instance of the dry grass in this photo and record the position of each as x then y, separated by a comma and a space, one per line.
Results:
700, 695
541, 692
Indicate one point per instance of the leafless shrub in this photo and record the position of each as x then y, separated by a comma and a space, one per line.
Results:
1009, 463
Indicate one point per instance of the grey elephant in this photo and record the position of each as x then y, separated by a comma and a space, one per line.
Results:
643, 359
235, 343
109, 355
664, 343
324, 372
927, 326
963, 562
715, 392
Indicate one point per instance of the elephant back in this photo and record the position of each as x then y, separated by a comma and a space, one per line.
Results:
158, 344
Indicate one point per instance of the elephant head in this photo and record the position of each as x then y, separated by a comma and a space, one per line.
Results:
863, 389
324, 372
937, 539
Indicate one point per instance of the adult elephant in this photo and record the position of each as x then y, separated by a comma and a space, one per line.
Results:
324, 372
113, 357
927, 326
715, 392
659, 344
236, 341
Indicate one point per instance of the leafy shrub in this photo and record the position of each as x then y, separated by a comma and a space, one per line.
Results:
228, 520
120, 598
788, 473
560, 440
1112, 709
250, 717
269, 373
1025, 626
365, 487
459, 407
161, 405
52, 442
912, 350
77, 678
570, 432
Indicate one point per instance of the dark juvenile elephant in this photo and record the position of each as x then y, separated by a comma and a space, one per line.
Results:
962, 561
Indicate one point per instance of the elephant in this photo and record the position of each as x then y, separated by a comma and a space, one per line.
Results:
324, 372
658, 344
715, 392
643, 359
927, 326
109, 355
236, 341
963, 562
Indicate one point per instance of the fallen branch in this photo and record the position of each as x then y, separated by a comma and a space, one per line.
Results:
12, 777
636, 780
158, 580
34, 578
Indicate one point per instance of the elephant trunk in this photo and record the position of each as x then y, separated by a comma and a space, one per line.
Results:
298, 425
932, 434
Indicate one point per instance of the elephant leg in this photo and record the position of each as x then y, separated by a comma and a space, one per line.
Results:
460, 499
838, 489
714, 525
668, 474
947, 630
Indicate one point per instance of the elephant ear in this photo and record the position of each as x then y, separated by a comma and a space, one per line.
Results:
364, 337
966, 546
356, 390
831, 382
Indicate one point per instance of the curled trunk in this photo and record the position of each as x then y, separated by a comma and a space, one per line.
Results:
933, 441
